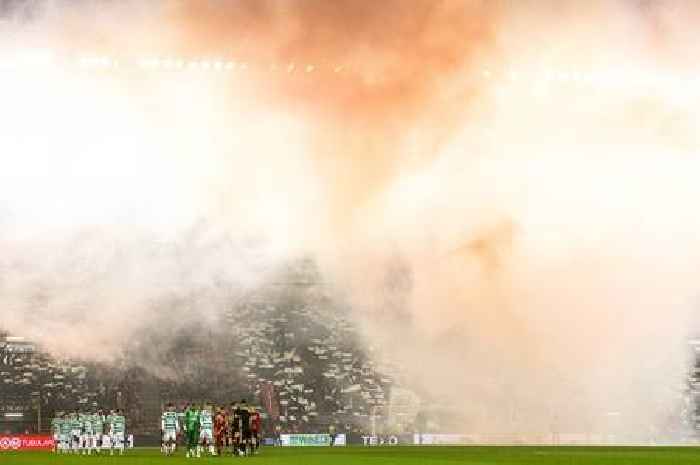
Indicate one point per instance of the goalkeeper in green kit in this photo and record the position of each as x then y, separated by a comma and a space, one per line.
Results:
192, 429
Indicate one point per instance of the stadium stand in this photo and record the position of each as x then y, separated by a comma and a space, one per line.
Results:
299, 356
32, 382
288, 347
691, 405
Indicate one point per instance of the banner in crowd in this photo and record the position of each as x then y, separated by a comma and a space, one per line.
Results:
25, 442
298, 440
443, 439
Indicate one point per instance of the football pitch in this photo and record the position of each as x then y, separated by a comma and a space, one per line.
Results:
391, 455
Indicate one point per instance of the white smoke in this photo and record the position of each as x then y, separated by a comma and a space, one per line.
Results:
509, 188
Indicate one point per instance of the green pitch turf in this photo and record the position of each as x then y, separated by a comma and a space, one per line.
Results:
391, 455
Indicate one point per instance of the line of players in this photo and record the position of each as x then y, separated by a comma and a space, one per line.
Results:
85, 432
212, 429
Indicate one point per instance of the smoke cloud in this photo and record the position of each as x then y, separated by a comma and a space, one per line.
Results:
505, 193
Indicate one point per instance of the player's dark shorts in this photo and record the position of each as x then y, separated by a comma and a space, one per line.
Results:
246, 434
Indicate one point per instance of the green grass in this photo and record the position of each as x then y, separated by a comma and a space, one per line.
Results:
391, 455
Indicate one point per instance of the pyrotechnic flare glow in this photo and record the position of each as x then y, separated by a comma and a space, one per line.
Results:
532, 234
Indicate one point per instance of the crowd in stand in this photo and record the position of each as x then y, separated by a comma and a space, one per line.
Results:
288, 346
32, 381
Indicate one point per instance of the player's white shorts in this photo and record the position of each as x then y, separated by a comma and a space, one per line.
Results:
206, 434
86, 440
117, 440
169, 436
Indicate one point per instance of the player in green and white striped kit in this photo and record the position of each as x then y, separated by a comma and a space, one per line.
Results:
76, 431
117, 430
170, 426
56, 424
206, 431
88, 438
181, 418
107, 437
98, 426
66, 430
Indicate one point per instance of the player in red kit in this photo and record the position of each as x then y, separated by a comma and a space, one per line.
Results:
220, 430
255, 427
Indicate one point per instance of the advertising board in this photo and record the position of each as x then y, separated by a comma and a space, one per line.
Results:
25, 442
302, 440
